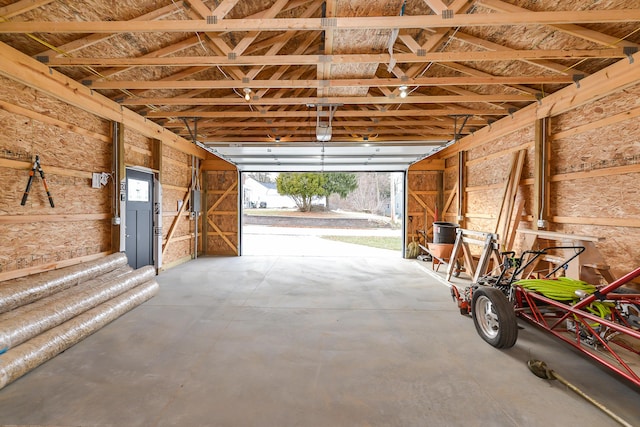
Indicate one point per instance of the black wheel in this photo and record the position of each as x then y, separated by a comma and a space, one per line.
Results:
494, 317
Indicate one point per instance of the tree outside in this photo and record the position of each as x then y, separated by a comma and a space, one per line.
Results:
303, 187
339, 183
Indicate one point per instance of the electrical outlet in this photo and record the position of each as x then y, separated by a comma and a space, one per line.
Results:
95, 180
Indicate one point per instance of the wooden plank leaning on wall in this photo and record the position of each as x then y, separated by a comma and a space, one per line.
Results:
605, 93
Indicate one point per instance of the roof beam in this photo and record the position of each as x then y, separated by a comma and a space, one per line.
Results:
445, 122
324, 68
294, 83
352, 100
317, 24
474, 56
339, 113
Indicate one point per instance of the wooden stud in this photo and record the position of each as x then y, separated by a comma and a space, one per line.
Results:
541, 172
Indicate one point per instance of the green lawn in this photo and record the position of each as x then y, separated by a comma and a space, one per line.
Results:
381, 242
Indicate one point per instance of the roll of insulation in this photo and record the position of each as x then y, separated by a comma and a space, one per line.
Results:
32, 319
119, 272
27, 356
24, 290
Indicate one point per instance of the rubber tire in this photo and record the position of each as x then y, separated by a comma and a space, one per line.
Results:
494, 317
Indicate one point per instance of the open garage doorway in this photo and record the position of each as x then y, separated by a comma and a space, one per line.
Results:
288, 214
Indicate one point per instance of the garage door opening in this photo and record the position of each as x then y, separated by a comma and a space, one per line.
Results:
282, 216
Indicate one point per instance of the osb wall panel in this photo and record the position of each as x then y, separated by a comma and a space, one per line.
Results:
450, 181
171, 198
418, 217
178, 250
69, 150
20, 95
182, 245
600, 198
608, 106
514, 139
178, 156
176, 172
137, 150
483, 205
605, 147
613, 196
224, 216
37, 243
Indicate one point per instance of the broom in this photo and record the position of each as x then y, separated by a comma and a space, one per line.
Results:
413, 250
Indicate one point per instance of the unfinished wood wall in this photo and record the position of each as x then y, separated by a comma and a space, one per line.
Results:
72, 144
594, 176
178, 227
221, 211
422, 198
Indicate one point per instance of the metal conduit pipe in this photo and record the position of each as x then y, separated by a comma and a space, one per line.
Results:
25, 357
24, 290
28, 321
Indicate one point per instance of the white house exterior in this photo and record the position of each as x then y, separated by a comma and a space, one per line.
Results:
255, 192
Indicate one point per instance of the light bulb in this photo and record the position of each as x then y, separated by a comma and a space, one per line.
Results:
247, 94
403, 91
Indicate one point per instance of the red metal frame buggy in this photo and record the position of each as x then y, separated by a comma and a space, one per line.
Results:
612, 340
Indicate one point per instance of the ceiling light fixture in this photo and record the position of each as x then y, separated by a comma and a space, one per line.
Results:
247, 94
403, 91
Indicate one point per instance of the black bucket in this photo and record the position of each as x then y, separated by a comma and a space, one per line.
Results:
444, 232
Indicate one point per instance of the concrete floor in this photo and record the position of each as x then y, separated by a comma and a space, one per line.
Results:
308, 340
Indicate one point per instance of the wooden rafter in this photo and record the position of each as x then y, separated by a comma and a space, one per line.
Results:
473, 56
317, 52
291, 83
339, 113
316, 24
342, 100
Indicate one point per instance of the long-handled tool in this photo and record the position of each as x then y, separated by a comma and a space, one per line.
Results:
36, 167
541, 370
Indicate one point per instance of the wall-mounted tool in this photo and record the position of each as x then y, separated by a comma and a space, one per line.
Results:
38, 168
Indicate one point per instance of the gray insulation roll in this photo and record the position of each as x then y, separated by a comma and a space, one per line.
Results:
16, 312
32, 319
25, 357
23, 290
